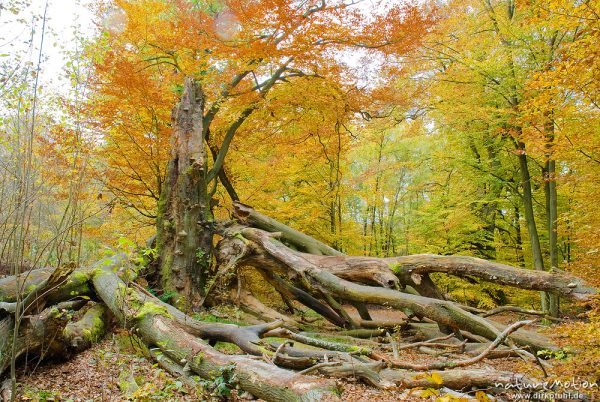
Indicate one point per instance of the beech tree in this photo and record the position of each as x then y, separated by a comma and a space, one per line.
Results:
233, 55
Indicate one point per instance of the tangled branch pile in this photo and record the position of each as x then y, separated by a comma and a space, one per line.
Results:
305, 272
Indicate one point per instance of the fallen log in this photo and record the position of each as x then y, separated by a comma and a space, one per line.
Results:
459, 379
463, 266
251, 217
414, 270
38, 334
156, 325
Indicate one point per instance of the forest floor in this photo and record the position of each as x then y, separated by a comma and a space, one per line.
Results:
116, 370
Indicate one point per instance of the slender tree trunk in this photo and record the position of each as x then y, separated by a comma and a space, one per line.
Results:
534, 240
551, 208
185, 221
519, 239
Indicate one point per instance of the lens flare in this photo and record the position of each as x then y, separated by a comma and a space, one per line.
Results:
227, 26
115, 20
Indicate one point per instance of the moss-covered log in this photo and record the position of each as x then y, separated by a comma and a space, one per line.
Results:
38, 335
89, 329
157, 327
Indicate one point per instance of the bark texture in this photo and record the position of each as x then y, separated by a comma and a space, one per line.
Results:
185, 220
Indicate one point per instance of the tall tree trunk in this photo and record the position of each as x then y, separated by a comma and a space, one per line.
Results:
534, 240
185, 220
551, 207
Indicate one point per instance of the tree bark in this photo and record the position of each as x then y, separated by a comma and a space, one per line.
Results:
271, 253
302, 242
463, 266
551, 208
185, 219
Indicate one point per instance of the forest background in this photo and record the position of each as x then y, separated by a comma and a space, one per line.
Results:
477, 134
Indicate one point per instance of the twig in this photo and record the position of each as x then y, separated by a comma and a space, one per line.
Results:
318, 366
279, 348
539, 362
462, 363
394, 345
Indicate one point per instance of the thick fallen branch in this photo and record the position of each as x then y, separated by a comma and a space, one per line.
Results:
462, 266
454, 379
301, 241
319, 343
414, 270
39, 334
246, 338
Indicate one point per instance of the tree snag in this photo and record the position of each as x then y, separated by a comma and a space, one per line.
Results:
185, 219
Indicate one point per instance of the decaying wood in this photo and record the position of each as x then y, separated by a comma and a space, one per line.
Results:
301, 241
273, 253
176, 370
414, 270
39, 335
440, 365
255, 307
184, 222
454, 379
89, 329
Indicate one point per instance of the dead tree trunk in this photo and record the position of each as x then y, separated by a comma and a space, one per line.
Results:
185, 219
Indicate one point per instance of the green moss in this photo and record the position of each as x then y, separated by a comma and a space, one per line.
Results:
30, 288
233, 315
337, 391
166, 271
55, 312
97, 271
242, 238
78, 277
359, 350
95, 331
87, 334
395, 267
151, 308
198, 358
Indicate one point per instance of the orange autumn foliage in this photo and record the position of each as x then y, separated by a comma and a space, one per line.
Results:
264, 66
